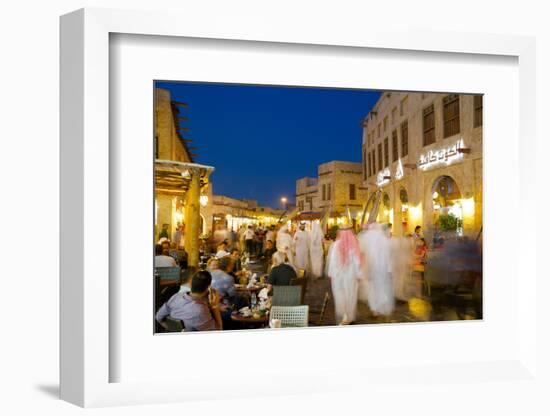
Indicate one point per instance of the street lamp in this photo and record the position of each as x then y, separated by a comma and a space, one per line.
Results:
283, 202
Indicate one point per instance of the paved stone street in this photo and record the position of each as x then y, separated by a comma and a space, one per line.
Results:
443, 305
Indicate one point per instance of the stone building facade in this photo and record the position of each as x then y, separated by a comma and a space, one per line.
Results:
170, 146
307, 198
423, 151
337, 188
168, 143
231, 213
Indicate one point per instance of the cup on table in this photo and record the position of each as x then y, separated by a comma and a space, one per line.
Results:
275, 323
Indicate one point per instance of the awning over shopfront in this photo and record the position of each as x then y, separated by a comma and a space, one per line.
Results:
308, 216
172, 177
187, 180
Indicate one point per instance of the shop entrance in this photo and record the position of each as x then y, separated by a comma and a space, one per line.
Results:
370, 211
404, 199
447, 207
384, 215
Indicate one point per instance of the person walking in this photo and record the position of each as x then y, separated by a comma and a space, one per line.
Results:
285, 243
301, 244
249, 240
316, 254
377, 289
345, 270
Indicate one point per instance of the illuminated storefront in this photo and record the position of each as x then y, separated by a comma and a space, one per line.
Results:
432, 175
233, 213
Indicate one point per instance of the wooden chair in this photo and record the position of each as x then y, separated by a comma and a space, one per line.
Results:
174, 325
168, 273
323, 309
287, 295
300, 281
164, 290
290, 316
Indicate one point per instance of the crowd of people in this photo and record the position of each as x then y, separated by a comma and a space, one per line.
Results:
371, 266
281, 253
379, 269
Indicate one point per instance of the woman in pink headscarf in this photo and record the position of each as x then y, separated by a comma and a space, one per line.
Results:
344, 270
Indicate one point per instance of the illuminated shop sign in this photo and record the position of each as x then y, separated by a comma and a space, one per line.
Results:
442, 156
399, 171
383, 177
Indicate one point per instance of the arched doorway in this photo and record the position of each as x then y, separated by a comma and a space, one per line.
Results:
447, 205
404, 199
384, 213
369, 207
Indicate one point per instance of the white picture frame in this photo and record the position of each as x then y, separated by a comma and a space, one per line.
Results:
86, 352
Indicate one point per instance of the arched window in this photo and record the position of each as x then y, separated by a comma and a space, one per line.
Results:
403, 196
385, 208
445, 192
386, 201
447, 205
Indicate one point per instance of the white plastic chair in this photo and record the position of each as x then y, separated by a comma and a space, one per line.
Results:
290, 316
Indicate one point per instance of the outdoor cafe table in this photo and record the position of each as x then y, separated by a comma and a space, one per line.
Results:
255, 288
249, 321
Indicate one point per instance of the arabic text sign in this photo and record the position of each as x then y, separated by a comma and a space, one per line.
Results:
441, 157
381, 178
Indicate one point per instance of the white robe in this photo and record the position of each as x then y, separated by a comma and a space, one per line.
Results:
404, 285
301, 244
344, 283
377, 289
284, 244
316, 251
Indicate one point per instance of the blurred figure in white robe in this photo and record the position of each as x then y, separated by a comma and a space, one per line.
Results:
344, 270
301, 245
377, 289
316, 250
404, 285
284, 243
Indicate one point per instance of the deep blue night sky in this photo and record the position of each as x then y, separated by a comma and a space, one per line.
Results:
261, 139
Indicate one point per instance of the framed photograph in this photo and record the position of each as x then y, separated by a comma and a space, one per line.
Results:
273, 200
297, 229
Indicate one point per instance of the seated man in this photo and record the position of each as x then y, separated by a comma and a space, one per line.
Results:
163, 260
185, 279
199, 310
178, 254
222, 250
212, 264
165, 247
236, 256
281, 272
222, 281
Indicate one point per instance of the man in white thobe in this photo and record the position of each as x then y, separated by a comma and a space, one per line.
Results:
284, 243
316, 250
377, 289
301, 245
344, 268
